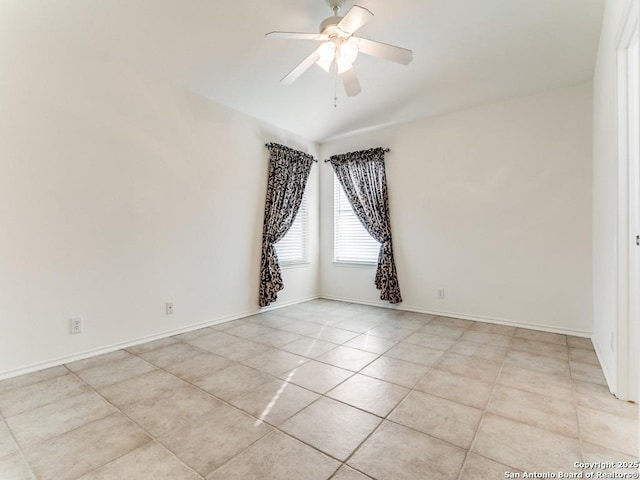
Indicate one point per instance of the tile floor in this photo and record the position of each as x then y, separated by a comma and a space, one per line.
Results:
316, 391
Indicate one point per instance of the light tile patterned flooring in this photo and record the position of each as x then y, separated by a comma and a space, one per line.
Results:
315, 391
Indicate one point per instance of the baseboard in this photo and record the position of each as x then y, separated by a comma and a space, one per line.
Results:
466, 316
149, 338
285, 304
380, 303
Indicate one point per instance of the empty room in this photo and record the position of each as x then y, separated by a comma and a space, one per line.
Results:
319, 239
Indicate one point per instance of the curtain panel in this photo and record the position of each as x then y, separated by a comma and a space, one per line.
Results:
288, 173
364, 181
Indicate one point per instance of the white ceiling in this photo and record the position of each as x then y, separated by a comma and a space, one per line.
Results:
466, 52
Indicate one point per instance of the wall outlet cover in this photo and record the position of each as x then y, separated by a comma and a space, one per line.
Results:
75, 325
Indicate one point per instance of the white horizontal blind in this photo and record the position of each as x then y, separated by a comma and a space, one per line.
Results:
292, 248
352, 243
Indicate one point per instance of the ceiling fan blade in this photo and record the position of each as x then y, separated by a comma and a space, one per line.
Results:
355, 18
302, 67
384, 50
297, 36
350, 82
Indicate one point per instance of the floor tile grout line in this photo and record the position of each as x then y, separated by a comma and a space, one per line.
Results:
19, 449
332, 325
275, 348
484, 413
379, 355
275, 377
84, 425
577, 406
37, 383
574, 403
343, 462
386, 417
281, 347
513, 335
229, 404
201, 477
22, 449
544, 394
579, 438
119, 410
277, 428
574, 398
316, 358
34, 383
153, 437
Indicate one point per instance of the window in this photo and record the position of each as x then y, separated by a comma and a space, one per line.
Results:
292, 248
351, 243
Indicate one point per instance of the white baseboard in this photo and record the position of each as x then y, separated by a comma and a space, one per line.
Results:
137, 341
130, 343
285, 304
466, 316
380, 303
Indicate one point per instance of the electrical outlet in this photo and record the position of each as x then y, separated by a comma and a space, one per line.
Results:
441, 294
169, 308
75, 325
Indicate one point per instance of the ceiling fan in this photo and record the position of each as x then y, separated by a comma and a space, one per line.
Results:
339, 46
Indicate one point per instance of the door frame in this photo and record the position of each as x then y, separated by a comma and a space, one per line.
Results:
627, 337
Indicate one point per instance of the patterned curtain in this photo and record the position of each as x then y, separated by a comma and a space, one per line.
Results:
288, 173
363, 178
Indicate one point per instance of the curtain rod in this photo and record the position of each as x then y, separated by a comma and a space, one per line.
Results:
385, 150
278, 145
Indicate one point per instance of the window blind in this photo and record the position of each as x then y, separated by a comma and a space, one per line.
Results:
352, 243
292, 248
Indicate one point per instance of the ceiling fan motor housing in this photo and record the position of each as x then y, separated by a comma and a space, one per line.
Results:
329, 26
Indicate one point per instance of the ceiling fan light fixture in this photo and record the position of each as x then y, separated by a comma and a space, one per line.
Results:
327, 54
339, 47
342, 52
342, 65
346, 54
327, 51
349, 50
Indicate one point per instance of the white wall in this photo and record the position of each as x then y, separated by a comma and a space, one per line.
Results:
493, 204
117, 194
605, 190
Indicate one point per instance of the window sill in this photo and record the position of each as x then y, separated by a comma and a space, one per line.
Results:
288, 265
342, 263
